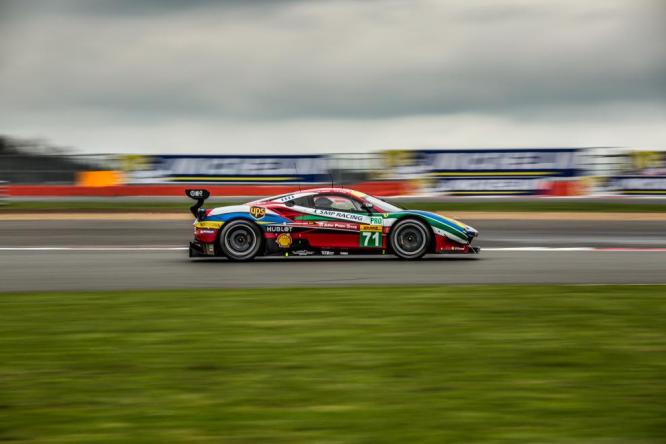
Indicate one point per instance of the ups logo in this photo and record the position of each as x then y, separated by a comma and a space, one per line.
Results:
257, 212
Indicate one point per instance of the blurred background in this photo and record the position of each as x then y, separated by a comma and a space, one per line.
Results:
542, 124
102, 94
33, 169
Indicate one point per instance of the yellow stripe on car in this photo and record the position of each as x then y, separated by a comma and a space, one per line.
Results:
207, 224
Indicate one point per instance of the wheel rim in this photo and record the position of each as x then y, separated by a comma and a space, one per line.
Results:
410, 239
240, 240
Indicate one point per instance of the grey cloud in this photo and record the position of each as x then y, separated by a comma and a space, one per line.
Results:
152, 61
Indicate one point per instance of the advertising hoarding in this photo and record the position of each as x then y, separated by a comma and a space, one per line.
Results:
493, 171
226, 169
645, 174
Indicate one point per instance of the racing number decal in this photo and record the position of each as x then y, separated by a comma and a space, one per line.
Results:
371, 235
371, 239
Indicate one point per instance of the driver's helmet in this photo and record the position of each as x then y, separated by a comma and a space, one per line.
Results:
323, 203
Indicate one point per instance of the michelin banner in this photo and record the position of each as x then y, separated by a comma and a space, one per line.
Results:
645, 174
226, 169
489, 172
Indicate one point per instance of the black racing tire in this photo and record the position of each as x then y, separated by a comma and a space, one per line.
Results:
410, 239
240, 240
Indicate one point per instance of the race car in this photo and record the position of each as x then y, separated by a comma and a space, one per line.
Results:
326, 222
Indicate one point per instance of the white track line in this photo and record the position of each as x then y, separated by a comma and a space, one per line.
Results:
517, 249
598, 249
539, 249
92, 248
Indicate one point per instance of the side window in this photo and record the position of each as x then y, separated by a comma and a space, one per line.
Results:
336, 202
303, 201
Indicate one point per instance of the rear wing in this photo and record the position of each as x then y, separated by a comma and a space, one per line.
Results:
200, 195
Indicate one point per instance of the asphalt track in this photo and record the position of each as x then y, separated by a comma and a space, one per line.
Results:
113, 255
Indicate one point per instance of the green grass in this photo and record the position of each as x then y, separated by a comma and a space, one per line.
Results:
544, 205
519, 364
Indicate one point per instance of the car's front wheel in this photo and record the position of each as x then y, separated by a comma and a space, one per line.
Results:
410, 239
240, 240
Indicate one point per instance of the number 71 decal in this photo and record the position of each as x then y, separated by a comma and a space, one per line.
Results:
371, 239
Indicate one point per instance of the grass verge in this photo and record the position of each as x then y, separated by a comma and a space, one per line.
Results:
465, 364
542, 205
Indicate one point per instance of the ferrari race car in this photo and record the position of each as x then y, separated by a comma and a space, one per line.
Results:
322, 221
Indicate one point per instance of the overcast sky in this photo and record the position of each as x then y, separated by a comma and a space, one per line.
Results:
196, 76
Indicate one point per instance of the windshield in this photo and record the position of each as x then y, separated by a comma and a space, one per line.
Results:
377, 202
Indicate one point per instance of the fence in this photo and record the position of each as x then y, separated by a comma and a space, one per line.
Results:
486, 172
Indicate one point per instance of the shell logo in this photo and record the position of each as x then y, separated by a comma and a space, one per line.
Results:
284, 240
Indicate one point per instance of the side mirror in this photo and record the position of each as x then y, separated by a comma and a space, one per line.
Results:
368, 207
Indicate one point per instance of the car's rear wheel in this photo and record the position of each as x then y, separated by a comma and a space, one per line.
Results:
410, 239
240, 240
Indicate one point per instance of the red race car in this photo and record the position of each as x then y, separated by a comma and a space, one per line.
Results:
323, 221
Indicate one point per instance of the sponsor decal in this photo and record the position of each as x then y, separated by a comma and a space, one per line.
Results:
339, 215
209, 225
292, 196
303, 252
374, 228
284, 240
286, 198
327, 253
375, 220
339, 225
257, 212
278, 228
370, 239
